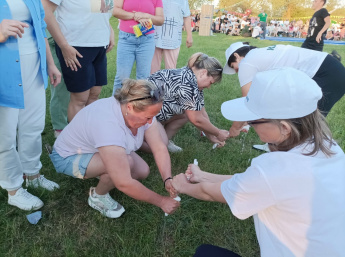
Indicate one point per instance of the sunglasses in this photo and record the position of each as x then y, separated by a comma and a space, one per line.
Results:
251, 123
156, 95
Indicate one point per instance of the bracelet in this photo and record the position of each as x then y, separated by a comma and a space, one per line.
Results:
166, 180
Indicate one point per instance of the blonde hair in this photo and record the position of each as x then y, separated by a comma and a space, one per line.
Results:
203, 61
311, 129
135, 89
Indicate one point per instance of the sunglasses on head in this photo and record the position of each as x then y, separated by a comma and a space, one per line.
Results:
156, 95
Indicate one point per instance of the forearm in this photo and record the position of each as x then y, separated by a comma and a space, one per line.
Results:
55, 30
237, 125
187, 24
50, 60
122, 14
325, 27
212, 178
204, 191
163, 162
139, 192
157, 20
205, 125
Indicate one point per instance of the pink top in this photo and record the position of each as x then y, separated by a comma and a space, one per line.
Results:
145, 6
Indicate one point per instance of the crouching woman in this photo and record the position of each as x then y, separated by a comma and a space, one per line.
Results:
101, 141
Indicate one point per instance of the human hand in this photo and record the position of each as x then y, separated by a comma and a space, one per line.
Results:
169, 205
11, 28
145, 22
223, 135
189, 41
141, 15
54, 75
170, 189
214, 140
234, 132
193, 173
318, 37
245, 128
179, 182
70, 55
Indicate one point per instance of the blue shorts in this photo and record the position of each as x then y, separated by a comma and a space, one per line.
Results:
74, 165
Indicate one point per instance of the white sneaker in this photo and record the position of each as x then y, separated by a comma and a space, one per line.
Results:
41, 181
263, 147
24, 200
105, 205
173, 148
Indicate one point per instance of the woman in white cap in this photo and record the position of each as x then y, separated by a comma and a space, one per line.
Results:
296, 193
323, 68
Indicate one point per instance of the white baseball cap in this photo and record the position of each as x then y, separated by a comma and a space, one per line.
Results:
232, 48
284, 93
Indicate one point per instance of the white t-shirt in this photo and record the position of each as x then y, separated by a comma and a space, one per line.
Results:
256, 31
297, 201
98, 124
169, 35
80, 26
27, 44
278, 56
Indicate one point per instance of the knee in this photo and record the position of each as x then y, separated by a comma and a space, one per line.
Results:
144, 172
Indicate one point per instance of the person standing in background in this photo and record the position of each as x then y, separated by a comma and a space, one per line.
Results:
24, 65
59, 96
131, 48
263, 22
83, 36
168, 37
318, 26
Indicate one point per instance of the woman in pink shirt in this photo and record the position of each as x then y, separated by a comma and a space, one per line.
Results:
131, 48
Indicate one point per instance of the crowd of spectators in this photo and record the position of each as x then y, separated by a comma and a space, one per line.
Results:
250, 26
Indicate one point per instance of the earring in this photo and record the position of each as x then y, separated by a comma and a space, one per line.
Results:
126, 113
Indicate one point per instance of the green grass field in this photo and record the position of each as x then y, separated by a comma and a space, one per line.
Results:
69, 227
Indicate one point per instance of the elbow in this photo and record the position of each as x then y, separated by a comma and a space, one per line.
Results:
159, 21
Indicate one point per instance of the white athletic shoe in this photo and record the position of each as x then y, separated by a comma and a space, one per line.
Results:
173, 148
105, 205
263, 147
24, 200
41, 181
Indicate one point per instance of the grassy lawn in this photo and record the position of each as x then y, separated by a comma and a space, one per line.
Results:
69, 227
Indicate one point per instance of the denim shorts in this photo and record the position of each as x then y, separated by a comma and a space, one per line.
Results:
74, 165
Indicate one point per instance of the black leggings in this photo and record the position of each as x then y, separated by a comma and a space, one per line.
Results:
331, 78
213, 251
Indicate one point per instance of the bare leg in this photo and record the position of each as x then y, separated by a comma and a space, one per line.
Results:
145, 147
76, 103
94, 94
174, 124
139, 168
96, 168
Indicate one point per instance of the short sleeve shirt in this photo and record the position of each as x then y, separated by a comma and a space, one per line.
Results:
181, 92
263, 17
316, 24
169, 35
98, 124
145, 6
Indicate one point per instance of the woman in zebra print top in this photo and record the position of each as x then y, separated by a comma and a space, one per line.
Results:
184, 98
